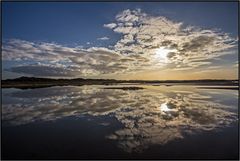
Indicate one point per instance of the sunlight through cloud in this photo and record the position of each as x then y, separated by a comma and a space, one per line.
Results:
161, 54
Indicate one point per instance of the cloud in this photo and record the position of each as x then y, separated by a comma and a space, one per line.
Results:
66, 61
43, 70
15, 49
48, 59
142, 35
110, 25
103, 38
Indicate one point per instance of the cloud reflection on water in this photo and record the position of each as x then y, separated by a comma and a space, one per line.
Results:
149, 116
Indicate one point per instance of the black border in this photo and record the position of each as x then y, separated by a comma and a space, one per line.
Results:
119, 1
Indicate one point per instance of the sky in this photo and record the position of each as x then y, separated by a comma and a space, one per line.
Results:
120, 40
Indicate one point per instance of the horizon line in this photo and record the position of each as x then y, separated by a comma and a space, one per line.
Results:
121, 79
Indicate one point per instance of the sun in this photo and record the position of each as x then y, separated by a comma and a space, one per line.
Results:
162, 53
164, 107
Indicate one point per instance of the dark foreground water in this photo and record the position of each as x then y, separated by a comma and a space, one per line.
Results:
90, 122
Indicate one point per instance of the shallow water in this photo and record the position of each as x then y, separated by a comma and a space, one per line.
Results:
90, 122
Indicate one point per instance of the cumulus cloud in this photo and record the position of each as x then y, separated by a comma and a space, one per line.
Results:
103, 38
110, 25
143, 35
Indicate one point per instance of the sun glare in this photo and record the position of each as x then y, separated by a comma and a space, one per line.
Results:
162, 53
164, 107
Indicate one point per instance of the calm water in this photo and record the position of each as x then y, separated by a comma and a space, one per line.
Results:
90, 122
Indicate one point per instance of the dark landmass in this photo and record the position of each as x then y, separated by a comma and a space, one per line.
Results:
125, 88
231, 88
33, 82
160, 84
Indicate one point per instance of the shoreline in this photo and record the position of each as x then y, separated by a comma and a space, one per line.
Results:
45, 85
33, 82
